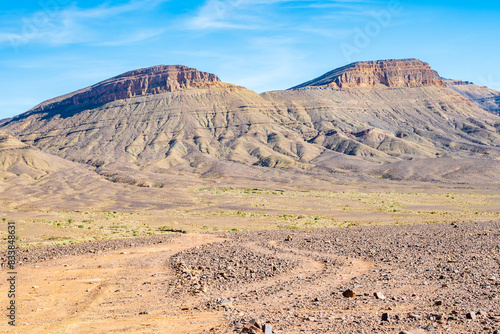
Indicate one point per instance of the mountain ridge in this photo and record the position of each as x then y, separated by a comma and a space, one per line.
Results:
198, 124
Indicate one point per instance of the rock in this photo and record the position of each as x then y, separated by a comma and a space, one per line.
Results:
252, 329
438, 302
144, 312
471, 315
227, 303
379, 295
413, 331
414, 316
268, 329
255, 326
289, 238
385, 316
348, 293
256, 323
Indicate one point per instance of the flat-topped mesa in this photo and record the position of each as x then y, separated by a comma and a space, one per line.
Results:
145, 81
389, 73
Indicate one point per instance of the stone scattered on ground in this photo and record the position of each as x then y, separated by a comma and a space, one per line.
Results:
437, 278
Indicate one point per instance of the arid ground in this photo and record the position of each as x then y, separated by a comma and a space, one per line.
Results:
430, 278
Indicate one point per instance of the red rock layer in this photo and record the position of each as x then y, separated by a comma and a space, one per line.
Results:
146, 81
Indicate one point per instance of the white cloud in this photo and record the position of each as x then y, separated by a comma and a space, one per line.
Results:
231, 14
70, 25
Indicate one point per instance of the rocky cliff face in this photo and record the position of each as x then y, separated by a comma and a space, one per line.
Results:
390, 73
146, 81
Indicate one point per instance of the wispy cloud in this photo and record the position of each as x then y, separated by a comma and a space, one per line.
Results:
220, 14
250, 14
135, 37
71, 25
232, 14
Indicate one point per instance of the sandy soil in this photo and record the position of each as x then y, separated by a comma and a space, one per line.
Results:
435, 278
105, 292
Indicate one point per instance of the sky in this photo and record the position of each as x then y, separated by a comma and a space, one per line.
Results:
52, 47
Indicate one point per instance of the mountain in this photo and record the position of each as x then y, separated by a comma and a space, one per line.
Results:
368, 109
484, 97
355, 118
389, 73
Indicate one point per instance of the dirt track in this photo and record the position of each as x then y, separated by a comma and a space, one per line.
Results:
432, 276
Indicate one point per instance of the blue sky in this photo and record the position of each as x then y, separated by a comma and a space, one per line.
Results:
52, 47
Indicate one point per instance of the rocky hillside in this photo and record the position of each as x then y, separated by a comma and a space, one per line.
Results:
484, 97
353, 118
380, 123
